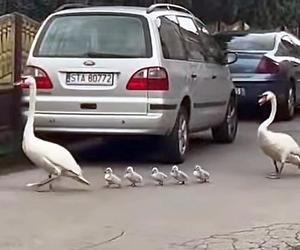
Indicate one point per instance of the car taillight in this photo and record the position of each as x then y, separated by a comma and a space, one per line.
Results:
41, 78
154, 78
267, 66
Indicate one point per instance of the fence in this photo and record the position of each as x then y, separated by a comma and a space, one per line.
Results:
16, 35
6, 50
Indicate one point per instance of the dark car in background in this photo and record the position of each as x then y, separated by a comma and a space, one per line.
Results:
266, 61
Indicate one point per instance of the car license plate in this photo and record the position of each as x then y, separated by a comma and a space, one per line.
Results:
90, 79
240, 91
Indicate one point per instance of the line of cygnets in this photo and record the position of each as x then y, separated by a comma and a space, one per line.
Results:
134, 178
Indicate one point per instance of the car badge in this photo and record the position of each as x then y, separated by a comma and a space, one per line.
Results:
89, 63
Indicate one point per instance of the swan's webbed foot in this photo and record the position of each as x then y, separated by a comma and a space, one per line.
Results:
40, 184
35, 186
32, 184
273, 176
273, 173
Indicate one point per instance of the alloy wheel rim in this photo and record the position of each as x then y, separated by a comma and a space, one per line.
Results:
291, 102
182, 135
231, 119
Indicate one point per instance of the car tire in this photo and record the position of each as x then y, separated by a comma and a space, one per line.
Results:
175, 145
287, 109
226, 131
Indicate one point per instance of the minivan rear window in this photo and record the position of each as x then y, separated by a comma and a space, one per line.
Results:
244, 42
95, 36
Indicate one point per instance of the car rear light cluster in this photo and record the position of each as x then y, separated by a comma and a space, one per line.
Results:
267, 66
154, 78
41, 78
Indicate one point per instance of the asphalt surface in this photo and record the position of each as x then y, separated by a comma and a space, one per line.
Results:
238, 209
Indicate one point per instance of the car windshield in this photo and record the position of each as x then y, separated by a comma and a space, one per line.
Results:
109, 36
244, 42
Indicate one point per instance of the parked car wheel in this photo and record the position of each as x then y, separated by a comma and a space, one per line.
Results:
226, 132
177, 143
287, 110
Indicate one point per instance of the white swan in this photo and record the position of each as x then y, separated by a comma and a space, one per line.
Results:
179, 175
201, 174
133, 176
279, 147
111, 178
53, 158
158, 176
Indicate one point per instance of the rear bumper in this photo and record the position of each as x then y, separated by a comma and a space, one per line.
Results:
150, 124
251, 90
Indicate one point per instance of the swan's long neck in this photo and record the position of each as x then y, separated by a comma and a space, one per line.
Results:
29, 129
264, 126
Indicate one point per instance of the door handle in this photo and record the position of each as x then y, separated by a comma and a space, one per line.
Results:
214, 77
194, 75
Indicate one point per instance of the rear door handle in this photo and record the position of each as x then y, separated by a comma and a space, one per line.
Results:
214, 77
194, 75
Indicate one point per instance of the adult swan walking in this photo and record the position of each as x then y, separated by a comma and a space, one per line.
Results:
279, 147
53, 158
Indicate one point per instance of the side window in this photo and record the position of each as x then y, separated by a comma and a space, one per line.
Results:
281, 51
170, 37
296, 43
191, 38
212, 50
286, 47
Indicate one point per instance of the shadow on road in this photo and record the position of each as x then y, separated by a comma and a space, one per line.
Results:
130, 150
95, 150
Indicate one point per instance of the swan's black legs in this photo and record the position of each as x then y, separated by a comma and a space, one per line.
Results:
277, 173
47, 181
50, 184
43, 182
281, 168
276, 168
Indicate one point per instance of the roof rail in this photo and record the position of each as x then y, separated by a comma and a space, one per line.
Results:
167, 6
71, 6
197, 19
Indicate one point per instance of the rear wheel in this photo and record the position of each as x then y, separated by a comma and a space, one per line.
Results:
287, 109
226, 132
177, 143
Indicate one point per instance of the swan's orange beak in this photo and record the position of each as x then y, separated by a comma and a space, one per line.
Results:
262, 99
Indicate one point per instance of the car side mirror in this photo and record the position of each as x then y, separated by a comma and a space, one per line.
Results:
230, 57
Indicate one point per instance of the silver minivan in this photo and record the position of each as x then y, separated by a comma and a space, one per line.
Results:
132, 71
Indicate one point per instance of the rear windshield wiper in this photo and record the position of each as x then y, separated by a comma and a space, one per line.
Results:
107, 55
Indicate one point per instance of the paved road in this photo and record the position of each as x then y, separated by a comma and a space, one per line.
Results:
239, 209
